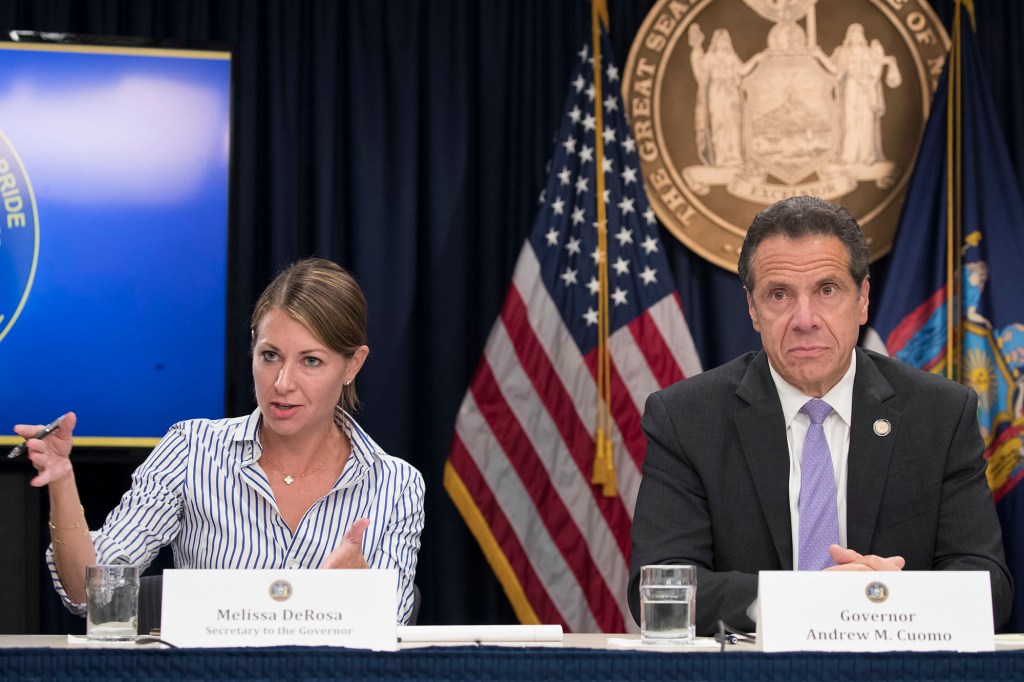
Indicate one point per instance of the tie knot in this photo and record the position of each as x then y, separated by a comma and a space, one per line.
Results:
817, 410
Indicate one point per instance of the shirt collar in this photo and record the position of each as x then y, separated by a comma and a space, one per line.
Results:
840, 396
246, 436
364, 450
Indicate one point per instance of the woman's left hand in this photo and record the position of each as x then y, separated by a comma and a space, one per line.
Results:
349, 554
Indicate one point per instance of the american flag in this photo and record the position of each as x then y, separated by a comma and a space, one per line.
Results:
521, 464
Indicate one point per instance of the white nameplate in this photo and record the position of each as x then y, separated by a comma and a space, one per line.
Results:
232, 608
875, 611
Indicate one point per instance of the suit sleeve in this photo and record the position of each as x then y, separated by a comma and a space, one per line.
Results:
968, 537
672, 525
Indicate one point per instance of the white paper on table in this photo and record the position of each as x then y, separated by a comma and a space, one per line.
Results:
696, 643
480, 633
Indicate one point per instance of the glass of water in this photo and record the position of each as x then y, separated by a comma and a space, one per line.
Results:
112, 602
667, 603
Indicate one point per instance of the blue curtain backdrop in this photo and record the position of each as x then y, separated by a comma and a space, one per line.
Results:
407, 140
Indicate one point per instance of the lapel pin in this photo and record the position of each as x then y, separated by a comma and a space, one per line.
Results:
882, 427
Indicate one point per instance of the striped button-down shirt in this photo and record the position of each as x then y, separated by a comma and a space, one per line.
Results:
201, 492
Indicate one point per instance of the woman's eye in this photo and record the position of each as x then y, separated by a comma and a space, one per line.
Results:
311, 362
269, 355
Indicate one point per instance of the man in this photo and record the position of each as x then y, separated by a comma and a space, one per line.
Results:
731, 486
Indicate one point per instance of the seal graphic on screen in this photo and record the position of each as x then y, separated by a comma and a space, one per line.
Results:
19, 236
736, 104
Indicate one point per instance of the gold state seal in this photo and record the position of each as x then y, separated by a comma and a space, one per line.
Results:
736, 104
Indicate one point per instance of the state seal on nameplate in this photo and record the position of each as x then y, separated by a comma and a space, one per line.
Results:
735, 104
280, 590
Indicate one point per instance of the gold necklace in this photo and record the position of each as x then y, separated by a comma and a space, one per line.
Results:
288, 480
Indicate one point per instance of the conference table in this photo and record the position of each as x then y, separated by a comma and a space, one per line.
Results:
585, 657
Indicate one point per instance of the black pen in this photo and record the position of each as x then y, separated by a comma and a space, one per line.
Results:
19, 450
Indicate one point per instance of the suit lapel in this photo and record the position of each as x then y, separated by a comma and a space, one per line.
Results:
870, 452
763, 438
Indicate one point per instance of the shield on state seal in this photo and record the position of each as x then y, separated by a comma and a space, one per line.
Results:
790, 117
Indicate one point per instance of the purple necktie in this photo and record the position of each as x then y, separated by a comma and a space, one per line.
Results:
819, 520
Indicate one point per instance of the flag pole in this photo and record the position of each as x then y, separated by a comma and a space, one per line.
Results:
604, 463
958, 370
953, 237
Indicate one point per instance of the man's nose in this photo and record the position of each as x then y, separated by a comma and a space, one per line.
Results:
805, 315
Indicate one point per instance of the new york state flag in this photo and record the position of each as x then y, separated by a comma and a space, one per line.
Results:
953, 302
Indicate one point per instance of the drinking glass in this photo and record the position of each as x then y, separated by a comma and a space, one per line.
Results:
667, 603
112, 607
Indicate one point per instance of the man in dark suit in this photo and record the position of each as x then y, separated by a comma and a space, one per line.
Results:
726, 457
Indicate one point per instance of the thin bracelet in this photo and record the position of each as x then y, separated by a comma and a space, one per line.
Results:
77, 526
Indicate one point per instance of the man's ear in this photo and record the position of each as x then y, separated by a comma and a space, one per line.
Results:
753, 312
863, 310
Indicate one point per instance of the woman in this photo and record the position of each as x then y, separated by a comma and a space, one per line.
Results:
296, 484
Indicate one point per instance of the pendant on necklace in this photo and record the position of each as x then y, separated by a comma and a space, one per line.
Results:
288, 480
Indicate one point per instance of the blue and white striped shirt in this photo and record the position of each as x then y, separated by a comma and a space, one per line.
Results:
201, 491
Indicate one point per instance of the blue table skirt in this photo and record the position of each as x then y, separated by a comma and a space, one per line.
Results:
496, 663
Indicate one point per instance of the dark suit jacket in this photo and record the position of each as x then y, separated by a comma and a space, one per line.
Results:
715, 490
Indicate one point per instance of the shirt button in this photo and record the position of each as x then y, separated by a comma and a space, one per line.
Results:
292, 563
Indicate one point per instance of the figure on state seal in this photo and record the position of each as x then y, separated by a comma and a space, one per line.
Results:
859, 68
719, 73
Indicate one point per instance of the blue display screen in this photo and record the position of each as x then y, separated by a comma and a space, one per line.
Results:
114, 181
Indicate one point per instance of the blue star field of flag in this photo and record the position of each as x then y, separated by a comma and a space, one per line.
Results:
564, 234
